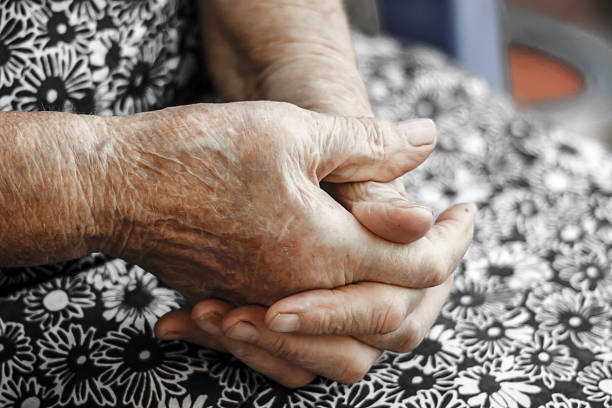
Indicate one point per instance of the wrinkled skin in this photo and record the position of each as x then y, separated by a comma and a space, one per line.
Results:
225, 206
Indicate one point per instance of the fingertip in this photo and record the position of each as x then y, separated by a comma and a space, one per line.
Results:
469, 208
169, 325
420, 132
460, 212
159, 329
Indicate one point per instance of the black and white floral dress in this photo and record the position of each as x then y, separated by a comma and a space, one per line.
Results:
528, 322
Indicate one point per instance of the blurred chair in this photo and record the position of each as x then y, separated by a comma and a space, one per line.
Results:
558, 68
578, 49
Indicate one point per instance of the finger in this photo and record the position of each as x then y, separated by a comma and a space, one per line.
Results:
384, 209
178, 324
369, 149
424, 263
415, 327
207, 317
358, 309
340, 358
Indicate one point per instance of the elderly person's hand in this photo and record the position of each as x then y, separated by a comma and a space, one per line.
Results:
224, 200
301, 53
378, 316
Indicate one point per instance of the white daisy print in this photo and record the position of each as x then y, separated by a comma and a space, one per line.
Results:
551, 180
107, 273
230, 372
512, 263
140, 84
496, 384
596, 381
584, 318
544, 359
495, 337
402, 384
15, 350
67, 357
91, 10
56, 80
26, 393
59, 299
138, 299
586, 268
127, 11
472, 299
145, 370
561, 401
187, 402
57, 29
110, 49
270, 394
439, 349
21, 8
360, 395
462, 186
436, 399
15, 48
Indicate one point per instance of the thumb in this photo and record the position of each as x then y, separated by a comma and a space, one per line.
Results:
370, 149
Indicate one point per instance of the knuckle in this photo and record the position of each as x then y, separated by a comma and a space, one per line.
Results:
375, 138
325, 323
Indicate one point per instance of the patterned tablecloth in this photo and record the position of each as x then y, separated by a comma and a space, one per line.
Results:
528, 323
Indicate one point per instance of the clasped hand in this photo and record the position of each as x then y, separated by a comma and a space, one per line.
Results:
225, 201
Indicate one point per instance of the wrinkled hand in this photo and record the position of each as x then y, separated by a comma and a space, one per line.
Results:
379, 316
218, 184
293, 360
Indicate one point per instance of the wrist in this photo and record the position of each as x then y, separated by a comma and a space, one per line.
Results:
48, 182
146, 156
321, 83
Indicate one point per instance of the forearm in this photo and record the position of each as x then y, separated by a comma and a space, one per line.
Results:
50, 196
298, 52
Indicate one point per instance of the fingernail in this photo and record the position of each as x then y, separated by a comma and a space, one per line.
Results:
209, 322
285, 323
242, 331
420, 132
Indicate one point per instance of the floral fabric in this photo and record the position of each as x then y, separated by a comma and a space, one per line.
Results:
94, 56
528, 322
